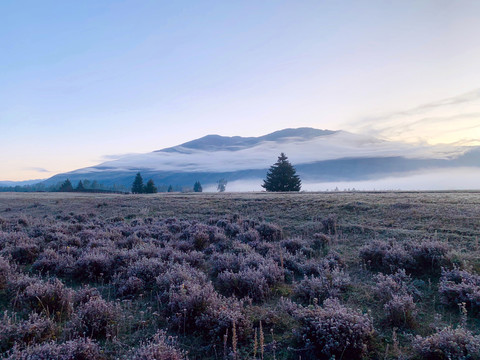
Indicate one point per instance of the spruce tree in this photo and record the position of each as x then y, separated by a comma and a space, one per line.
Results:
137, 187
197, 187
282, 176
150, 188
66, 186
80, 186
170, 188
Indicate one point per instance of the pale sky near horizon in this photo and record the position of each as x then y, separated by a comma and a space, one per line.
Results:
82, 80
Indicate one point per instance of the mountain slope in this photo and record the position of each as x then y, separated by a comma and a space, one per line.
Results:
318, 155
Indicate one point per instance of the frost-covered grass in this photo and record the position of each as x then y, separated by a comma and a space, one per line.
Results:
210, 276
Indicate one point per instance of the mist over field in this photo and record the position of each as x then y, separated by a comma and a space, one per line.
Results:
434, 179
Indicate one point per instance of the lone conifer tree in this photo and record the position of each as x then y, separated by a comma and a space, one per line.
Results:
150, 188
197, 187
282, 176
137, 187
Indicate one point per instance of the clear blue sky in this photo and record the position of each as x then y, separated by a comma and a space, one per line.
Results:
80, 80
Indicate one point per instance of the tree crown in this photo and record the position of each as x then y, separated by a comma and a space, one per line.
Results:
282, 176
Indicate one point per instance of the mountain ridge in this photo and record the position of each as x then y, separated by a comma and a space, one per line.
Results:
319, 156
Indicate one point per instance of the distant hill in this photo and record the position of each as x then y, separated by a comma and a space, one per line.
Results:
318, 155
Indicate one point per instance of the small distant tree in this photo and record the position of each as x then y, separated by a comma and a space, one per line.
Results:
80, 186
282, 176
197, 187
170, 188
222, 185
150, 188
137, 187
95, 185
66, 186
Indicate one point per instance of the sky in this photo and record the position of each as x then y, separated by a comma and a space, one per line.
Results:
81, 81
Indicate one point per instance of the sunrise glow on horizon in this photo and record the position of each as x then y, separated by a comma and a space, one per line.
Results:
80, 81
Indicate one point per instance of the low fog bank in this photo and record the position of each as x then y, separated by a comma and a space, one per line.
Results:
439, 179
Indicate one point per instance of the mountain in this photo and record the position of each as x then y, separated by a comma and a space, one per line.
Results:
318, 155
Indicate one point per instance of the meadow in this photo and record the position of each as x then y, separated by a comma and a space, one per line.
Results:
335, 275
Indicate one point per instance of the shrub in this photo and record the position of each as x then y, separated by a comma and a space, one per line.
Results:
446, 344
330, 225
35, 329
386, 286
78, 349
51, 298
457, 286
269, 232
84, 294
53, 262
96, 318
160, 348
335, 330
328, 284
94, 265
198, 307
401, 310
409, 255
5, 272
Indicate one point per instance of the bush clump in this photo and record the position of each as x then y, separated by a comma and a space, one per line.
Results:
160, 347
457, 286
35, 329
335, 330
77, 349
50, 297
329, 283
96, 318
446, 344
409, 255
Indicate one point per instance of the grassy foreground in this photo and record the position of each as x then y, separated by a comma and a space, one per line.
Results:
268, 266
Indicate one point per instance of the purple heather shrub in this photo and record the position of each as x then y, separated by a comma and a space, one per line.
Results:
131, 287
401, 311
50, 297
6, 272
408, 255
35, 329
320, 241
220, 316
24, 251
446, 344
428, 254
54, 262
335, 330
179, 274
198, 307
147, 270
94, 264
330, 224
399, 283
160, 347
269, 232
77, 349
250, 236
457, 286
248, 282
330, 283
96, 318
294, 245
84, 294
232, 230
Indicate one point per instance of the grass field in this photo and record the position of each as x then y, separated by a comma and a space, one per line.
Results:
240, 275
